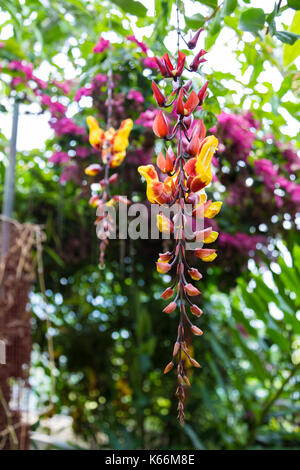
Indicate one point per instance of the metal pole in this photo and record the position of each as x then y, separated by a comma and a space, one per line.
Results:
9, 185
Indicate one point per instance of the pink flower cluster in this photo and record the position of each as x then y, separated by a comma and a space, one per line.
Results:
101, 46
242, 242
141, 45
135, 96
59, 157
236, 128
149, 63
70, 172
20, 66
54, 107
84, 91
147, 117
97, 83
66, 126
64, 86
273, 180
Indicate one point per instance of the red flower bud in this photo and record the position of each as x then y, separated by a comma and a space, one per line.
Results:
163, 267
165, 256
93, 169
180, 63
160, 125
180, 105
168, 367
204, 252
194, 146
170, 307
202, 93
113, 178
193, 42
191, 103
161, 66
191, 290
168, 65
188, 121
167, 294
164, 164
159, 97
196, 310
196, 330
194, 273
197, 60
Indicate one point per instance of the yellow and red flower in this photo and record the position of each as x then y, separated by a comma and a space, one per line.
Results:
112, 143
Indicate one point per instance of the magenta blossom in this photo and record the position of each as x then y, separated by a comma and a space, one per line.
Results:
141, 45
66, 126
59, 157
242, 242
150, 63
135, 96
54, 107
84, 91
64, 86
101, 46
70, 172
147, 117
83, 152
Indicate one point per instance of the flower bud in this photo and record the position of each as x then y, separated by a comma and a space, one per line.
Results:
165, 256
164, 164
193, 42
168, 293
94, 201
161, 125
113, 178
170, 307
196, 310
203, 93
196, 330
159, 97
191, 290
180, 379
197, 60
163, 268
161, 66
194, 274
194, 363
185, 378
93, 170
168, 367
176, 349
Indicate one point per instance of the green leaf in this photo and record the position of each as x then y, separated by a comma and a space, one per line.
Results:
132, 7
228, 7
252, 20
271, 20
290, 53
209, 3
287, 37
295, 4
195, 21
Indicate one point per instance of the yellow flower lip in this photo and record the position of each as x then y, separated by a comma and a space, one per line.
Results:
207, 151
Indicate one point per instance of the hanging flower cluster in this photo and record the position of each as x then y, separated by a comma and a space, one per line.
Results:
111, 145
188, 172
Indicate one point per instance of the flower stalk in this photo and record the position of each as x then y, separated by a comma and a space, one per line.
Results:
188, 173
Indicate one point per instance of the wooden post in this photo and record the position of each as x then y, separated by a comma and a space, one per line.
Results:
9, 185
